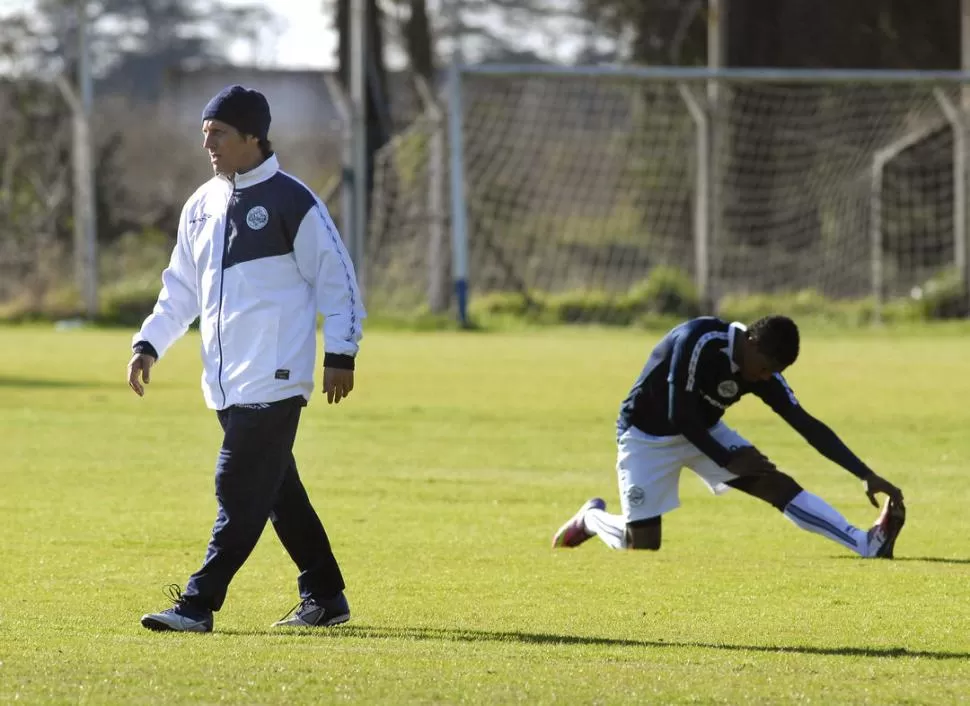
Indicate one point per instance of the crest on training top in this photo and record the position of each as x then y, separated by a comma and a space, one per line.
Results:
257, 217
728, 388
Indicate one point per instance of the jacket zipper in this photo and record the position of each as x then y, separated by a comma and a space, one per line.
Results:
222, 279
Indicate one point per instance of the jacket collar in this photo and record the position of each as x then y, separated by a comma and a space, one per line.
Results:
257, 175
733, 331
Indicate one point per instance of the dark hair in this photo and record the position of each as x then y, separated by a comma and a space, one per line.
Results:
266, 147
776, 337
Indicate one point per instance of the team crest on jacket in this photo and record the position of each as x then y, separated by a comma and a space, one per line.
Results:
728, 388
257, 217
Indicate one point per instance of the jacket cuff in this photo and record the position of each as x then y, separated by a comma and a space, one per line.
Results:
338, 360
146, 348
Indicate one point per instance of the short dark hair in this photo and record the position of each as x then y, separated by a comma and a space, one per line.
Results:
266, 147
776, 337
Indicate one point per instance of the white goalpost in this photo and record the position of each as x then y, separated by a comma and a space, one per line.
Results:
584, 180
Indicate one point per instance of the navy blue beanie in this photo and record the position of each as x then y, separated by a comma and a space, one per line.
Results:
244, 108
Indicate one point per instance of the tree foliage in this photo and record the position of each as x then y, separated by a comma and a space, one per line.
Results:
821, 34
133, 43
34, 185
835, 34
656, 31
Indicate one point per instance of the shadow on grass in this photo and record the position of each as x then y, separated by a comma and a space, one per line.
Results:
932, 559
927, 559
528, 638
31, 383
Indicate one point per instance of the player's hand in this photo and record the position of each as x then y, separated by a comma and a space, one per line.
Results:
875, 483
140, 364
748, 461
337, 383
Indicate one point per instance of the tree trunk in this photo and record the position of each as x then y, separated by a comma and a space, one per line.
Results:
417, 33
378, 107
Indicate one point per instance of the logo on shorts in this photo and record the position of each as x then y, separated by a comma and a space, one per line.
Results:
728, 388
257, 217
635, 495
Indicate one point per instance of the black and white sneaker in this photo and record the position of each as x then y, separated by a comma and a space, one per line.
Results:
310, 613
181, 617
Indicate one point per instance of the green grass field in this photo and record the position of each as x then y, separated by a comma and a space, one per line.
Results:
441, 480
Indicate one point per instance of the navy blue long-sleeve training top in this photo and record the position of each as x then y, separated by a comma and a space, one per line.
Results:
690, 380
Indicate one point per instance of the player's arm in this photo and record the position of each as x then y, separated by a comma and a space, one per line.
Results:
689, 357
176, 308
324, 262
779, 396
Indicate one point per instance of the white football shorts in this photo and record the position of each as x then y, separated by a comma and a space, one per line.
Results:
648, 469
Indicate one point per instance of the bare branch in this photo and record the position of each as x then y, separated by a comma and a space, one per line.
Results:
70, 96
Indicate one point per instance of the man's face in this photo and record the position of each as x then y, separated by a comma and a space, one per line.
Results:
229, 151
756, 366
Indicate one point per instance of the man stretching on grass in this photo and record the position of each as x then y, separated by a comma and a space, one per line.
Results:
257, 257
672, 418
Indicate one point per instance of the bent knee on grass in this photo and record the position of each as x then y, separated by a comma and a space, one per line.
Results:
640, 536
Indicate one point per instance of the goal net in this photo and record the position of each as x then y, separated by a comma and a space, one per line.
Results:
585, 184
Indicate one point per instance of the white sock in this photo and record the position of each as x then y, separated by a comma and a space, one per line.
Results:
610, 528
813, 514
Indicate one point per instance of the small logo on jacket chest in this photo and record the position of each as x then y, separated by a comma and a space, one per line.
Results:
257, 217
728, 389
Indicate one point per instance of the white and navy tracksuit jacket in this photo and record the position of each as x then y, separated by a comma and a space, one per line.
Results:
257, 257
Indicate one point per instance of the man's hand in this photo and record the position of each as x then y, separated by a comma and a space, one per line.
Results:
140, 363
875, 483
337, 383
748, 461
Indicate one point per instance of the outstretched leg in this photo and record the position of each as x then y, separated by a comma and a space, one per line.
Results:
805, 509
811, 513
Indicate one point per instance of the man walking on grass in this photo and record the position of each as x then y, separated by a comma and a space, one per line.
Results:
256, 259
672, 419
